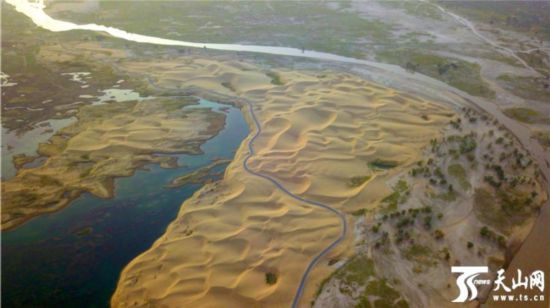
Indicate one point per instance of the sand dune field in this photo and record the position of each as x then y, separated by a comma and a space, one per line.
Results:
319, 132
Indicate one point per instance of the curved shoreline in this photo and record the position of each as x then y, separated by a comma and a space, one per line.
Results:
35, 11
447, 95
114, 241
342, 217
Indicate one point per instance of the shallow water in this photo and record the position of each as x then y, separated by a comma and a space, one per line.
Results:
117, 95
27, 143
73, 258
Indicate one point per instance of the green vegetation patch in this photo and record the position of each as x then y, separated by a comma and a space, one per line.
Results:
20, 160
300, 24
359, 272
459, 173
391, 201
487, 233
382, 164
41, 78
455, 72
532, 19
504, 209
357, 181
399, 195
448, 196
527, 115
177, 104
24, 197
422, 256
467, 144
527, 87
487, 209
419, 253
198, 176
544, 138
275, 78
270, 278
424, 10
229, 86
379, 294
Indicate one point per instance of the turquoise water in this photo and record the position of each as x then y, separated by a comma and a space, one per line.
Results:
73, 258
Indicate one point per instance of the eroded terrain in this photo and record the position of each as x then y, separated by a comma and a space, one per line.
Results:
423, 185
107, 141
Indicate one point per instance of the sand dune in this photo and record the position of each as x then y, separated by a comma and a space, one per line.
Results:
318, 132
108, 141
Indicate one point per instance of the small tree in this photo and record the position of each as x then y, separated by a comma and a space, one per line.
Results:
439, 234
270, 278
484, 232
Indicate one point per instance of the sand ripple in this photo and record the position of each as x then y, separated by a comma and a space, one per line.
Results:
318, 132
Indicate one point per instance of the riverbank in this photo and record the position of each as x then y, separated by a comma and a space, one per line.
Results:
318, 131
297, 134
89, 242
107, 141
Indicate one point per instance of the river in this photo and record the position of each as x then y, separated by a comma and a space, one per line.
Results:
73, 257
389, 75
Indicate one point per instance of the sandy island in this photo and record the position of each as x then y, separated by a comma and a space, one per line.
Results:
107, 141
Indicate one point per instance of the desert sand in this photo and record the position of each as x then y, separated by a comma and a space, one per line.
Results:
107, 141
442, 204
318, 132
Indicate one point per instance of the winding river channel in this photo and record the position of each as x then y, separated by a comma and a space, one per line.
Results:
390, 75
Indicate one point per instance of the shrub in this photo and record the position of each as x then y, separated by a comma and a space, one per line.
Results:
270, 278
